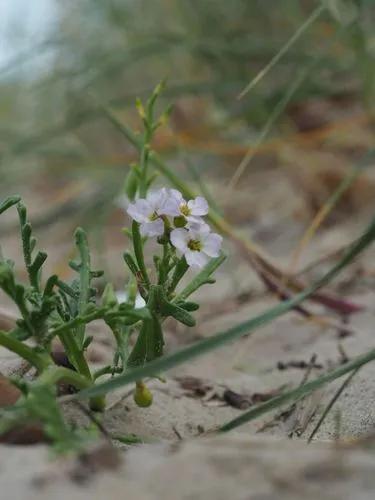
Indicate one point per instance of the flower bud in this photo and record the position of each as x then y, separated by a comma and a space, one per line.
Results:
180, 221
131, 184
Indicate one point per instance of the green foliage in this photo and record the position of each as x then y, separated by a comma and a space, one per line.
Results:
57, 309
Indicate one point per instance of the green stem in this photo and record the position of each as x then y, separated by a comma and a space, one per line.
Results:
163, 269
121, 334
106, 370
70, 345
97, 314
138, 251
75, 354
21, 304
41, 362
180, 270
145, 153
55, 374
84, 276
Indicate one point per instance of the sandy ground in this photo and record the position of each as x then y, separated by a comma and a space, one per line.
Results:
265, 459
218, 468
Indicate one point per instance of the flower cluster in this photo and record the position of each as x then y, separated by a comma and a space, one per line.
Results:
166, 211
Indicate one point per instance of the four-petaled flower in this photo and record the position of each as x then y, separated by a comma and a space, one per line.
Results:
197, 245
148, 211
190, 211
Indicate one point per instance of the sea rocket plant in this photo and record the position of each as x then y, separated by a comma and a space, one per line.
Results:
54, 310
178, 225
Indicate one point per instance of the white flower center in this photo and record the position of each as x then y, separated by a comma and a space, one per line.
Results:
153, 217
185, 210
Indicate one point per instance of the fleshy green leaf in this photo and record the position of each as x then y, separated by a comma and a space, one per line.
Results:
8, 203
149, 344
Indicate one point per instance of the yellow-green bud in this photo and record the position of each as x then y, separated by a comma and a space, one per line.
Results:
97, 403
180, 221
142, 395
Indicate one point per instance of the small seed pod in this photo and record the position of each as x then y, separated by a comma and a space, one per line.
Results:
142, 395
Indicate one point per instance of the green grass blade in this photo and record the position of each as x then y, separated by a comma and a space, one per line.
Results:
290, 91
299, 392
332, 402
245, 328
284, 49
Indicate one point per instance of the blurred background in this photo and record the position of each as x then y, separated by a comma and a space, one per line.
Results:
268, 161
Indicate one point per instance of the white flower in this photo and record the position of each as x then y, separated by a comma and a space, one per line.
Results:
147, 212
192, 210
197, 245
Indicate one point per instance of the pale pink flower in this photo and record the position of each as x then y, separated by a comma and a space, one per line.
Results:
197, 245
148, 211
192, 210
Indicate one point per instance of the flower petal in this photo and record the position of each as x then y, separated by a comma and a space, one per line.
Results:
152, 228
139, 302
170, 207
140, 210
199, 206
156, 198
212, 244
176, 195
197, 225
179, 239
196, 259
122, 201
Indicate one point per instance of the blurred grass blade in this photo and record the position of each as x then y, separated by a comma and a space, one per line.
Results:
324, 211
279, 108
292, 40
343, 11
245, 328
273, 117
